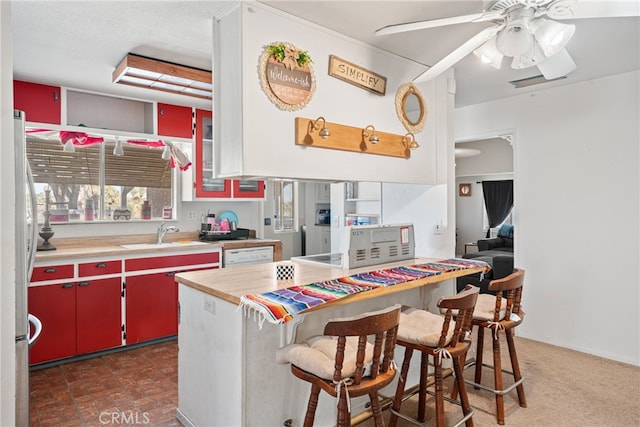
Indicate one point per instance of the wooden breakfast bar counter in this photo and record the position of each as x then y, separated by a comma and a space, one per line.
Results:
227, 370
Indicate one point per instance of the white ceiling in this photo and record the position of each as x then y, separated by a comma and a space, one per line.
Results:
79, 43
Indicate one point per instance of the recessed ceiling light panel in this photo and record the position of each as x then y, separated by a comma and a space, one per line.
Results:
140, 71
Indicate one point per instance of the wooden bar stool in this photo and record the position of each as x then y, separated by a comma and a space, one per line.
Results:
345, 364
433, 335
501, 312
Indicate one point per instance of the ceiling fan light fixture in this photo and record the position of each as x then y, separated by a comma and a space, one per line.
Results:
489, 53
528, 59
551, 35
514, 40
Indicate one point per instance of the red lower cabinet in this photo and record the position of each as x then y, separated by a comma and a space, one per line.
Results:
98, 314
77, 318
152, 307
81, 306
55, 306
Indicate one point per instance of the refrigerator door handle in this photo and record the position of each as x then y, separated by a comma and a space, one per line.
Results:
37, 324
33, 241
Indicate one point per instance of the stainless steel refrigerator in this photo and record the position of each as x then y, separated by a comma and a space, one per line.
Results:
28, 327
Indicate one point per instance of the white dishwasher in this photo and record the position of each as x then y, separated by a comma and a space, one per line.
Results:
245, 256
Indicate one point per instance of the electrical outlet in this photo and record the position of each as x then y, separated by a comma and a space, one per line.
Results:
192, 215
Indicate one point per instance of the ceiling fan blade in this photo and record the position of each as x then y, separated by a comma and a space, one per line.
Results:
420, 25
462, 51
557, 65
572, 9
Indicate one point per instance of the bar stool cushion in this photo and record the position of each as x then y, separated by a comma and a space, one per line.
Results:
422, 327
486, 307
318, 356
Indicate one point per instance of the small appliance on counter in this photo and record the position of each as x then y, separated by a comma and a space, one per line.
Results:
210, 236
377, 244
366, 245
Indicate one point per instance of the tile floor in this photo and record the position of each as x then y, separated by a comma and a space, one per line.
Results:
132, 387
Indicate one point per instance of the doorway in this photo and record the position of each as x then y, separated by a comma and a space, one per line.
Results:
485, 159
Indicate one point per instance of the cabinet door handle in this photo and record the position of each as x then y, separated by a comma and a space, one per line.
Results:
101, 265
50, 270
161, 112
67, 285
83, 283
171, 274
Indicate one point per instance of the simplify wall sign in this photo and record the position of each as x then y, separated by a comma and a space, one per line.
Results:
356, 75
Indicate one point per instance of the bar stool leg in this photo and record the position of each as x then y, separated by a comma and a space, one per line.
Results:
344, 417
497, 376
460, 386
479, 350
515, 367
437, 364
397, 400
422, 402
311, 407
376, 409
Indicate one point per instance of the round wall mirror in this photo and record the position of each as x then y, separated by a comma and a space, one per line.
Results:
411, 107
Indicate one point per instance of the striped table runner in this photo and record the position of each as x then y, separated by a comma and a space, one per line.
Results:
282, 305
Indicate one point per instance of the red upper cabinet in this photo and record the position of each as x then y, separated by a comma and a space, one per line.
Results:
248, 189
206, 185
41, 103
174, 120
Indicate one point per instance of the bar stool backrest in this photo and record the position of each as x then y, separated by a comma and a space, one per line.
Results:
509, 287
384, 326
461, 307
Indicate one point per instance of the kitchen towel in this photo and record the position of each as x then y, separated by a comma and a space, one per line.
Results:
282, 305
178, 157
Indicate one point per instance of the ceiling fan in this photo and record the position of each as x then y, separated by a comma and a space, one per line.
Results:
525, 30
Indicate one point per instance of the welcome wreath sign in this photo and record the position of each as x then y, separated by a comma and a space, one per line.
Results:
286, 75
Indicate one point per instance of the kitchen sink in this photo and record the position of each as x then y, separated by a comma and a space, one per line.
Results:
178, 244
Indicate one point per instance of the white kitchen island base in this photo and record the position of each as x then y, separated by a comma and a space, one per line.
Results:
227, 370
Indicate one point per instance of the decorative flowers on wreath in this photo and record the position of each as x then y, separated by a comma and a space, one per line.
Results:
289, 56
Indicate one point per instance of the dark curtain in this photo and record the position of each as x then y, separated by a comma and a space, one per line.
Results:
498, 199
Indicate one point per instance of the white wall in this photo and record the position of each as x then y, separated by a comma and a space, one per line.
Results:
7, 221
577, 195
496, 157
258, 139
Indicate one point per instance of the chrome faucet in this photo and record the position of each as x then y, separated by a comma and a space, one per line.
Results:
162, 231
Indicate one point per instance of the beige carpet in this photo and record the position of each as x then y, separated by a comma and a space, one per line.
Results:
562, 387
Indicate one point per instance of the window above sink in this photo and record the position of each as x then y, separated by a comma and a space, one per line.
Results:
91, 183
